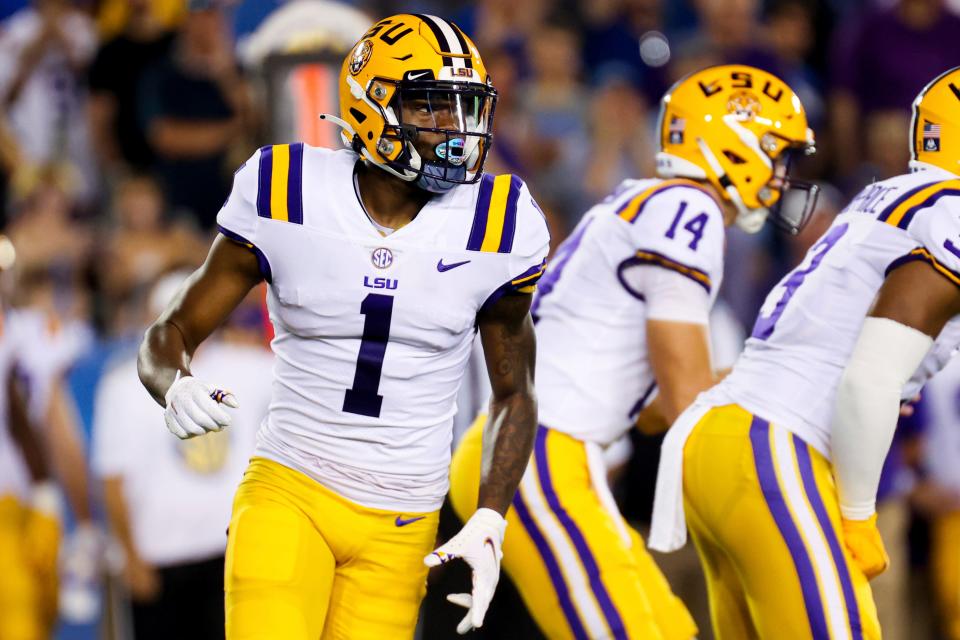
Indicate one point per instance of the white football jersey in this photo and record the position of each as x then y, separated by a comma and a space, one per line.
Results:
372, 332
810, 322
593, 373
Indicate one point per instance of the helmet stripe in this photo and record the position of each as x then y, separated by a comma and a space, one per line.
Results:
462, 39
438, 34
447, 38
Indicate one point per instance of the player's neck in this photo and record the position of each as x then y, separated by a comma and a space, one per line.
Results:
391, 202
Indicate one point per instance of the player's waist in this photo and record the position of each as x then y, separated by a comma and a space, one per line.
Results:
782, 410
404, 492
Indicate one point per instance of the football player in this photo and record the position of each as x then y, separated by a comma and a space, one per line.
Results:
774, 472
621, 317
383, 261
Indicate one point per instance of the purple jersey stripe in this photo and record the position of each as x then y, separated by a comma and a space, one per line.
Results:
511, 286
763, 458
929, 202
813, 495
896, 203
510, 216
657, 190
564, 252
553, 567
265, 173
610, 612
479, 228
295, 185
658, 259
262, 263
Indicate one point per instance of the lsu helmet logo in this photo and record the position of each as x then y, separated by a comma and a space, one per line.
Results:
361, 56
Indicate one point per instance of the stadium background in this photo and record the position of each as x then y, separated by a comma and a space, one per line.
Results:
100, 199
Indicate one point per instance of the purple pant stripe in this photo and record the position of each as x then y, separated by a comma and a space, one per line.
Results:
614, 621
553, 567
763, 458
813, 495
479, 228
265, 171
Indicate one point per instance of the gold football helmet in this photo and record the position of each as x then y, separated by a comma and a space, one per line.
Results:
416, 101
935, 129
738, 127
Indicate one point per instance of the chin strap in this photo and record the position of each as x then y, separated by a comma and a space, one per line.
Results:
748, 220
364, 153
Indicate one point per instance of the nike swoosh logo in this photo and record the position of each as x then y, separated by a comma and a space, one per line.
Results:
446, 267
416, 76
493, 549
402, 522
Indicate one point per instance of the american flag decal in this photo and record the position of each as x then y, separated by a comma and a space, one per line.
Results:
931, 136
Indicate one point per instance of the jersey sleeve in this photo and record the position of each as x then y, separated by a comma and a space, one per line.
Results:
932, 218
678, 227
511, 223
238, 219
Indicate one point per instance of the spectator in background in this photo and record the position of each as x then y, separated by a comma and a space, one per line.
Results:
789, 34
621, 145
119, 139
168, 500
613, 33
44, 52
881, 62
557, 106
195, 108
140, 244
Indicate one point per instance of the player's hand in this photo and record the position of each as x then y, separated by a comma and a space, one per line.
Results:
479, 543
193, 408
866, 546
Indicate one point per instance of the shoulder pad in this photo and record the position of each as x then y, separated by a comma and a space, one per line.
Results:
495, 216
280, 183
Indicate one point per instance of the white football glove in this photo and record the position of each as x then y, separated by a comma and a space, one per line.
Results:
193, 408
479, 544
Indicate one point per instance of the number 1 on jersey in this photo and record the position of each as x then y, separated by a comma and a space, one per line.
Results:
363, 398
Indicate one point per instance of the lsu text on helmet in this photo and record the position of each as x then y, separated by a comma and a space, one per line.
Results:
416, 101
739, 127
935, 128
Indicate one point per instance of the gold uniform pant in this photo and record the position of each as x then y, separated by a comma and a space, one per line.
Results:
28, 578
305, 563
762, 508
945, 565
582, 572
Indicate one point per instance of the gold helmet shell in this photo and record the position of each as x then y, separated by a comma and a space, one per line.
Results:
736, 127
421, 55
935, 128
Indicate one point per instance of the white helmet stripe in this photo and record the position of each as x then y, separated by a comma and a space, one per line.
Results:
447, 37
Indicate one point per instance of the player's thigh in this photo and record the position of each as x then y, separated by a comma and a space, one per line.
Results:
767, 501
19, 604
945, 562
672, 617
377, 593
279, 570
729, 614
568, 552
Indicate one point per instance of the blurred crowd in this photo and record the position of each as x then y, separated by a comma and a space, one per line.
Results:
123, 121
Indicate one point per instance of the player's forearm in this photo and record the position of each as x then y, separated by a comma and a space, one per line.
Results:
507, 443
67, 453
163, 353
868, 401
